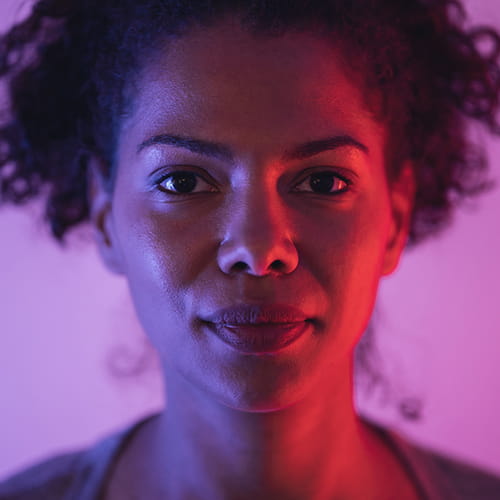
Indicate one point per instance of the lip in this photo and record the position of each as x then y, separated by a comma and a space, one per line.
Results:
258, 329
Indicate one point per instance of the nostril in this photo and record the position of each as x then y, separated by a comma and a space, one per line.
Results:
240, 266
278, 265
274, 257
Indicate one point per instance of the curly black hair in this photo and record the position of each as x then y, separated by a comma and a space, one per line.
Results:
70, 66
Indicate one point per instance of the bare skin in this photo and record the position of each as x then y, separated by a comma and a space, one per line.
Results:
254, 230
259, 459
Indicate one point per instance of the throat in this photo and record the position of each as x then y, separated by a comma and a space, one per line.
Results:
374, 472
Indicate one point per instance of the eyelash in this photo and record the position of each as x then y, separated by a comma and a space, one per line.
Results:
168, 175
335, 177
328, 173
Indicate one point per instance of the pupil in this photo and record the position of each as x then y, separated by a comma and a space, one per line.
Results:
322, 183
184, 182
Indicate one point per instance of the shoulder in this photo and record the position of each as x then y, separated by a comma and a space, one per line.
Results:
465, 480
436, 475
443, 476
77, 475
49, 479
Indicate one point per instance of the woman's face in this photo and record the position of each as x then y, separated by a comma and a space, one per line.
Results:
251, 213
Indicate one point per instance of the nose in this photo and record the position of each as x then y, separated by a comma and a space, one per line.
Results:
258, 238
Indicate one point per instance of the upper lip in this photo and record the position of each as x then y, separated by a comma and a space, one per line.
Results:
257, 314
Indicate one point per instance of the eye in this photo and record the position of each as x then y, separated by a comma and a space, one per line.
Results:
184, 182
323, 183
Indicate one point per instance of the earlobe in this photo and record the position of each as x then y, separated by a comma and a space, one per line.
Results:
100, 204
402, 194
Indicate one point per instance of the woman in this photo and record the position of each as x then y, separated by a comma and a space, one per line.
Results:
252, 169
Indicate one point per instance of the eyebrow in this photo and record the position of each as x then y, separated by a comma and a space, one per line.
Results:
223, 152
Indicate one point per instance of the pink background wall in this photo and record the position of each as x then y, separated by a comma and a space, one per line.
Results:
62, 315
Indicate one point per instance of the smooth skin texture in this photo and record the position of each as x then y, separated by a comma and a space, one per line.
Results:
253, 226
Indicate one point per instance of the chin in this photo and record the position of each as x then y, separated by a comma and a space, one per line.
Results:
263, 400
264, 408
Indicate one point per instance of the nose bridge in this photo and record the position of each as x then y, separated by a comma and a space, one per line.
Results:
260, 216
258, 239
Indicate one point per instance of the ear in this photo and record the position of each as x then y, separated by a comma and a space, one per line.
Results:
402, 195
100, 202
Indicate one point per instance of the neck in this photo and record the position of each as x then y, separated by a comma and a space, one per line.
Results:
316, 448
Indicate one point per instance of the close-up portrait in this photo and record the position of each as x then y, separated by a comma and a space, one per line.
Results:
250, 249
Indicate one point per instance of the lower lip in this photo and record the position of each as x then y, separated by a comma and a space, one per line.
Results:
262, 338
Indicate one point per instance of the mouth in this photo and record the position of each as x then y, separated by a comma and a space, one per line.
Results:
259, 329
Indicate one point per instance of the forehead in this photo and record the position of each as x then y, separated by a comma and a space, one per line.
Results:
224, 83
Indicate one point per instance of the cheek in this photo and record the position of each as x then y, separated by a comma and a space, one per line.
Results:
349, 263
366, 260
349, 240
160, 247
162, 257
